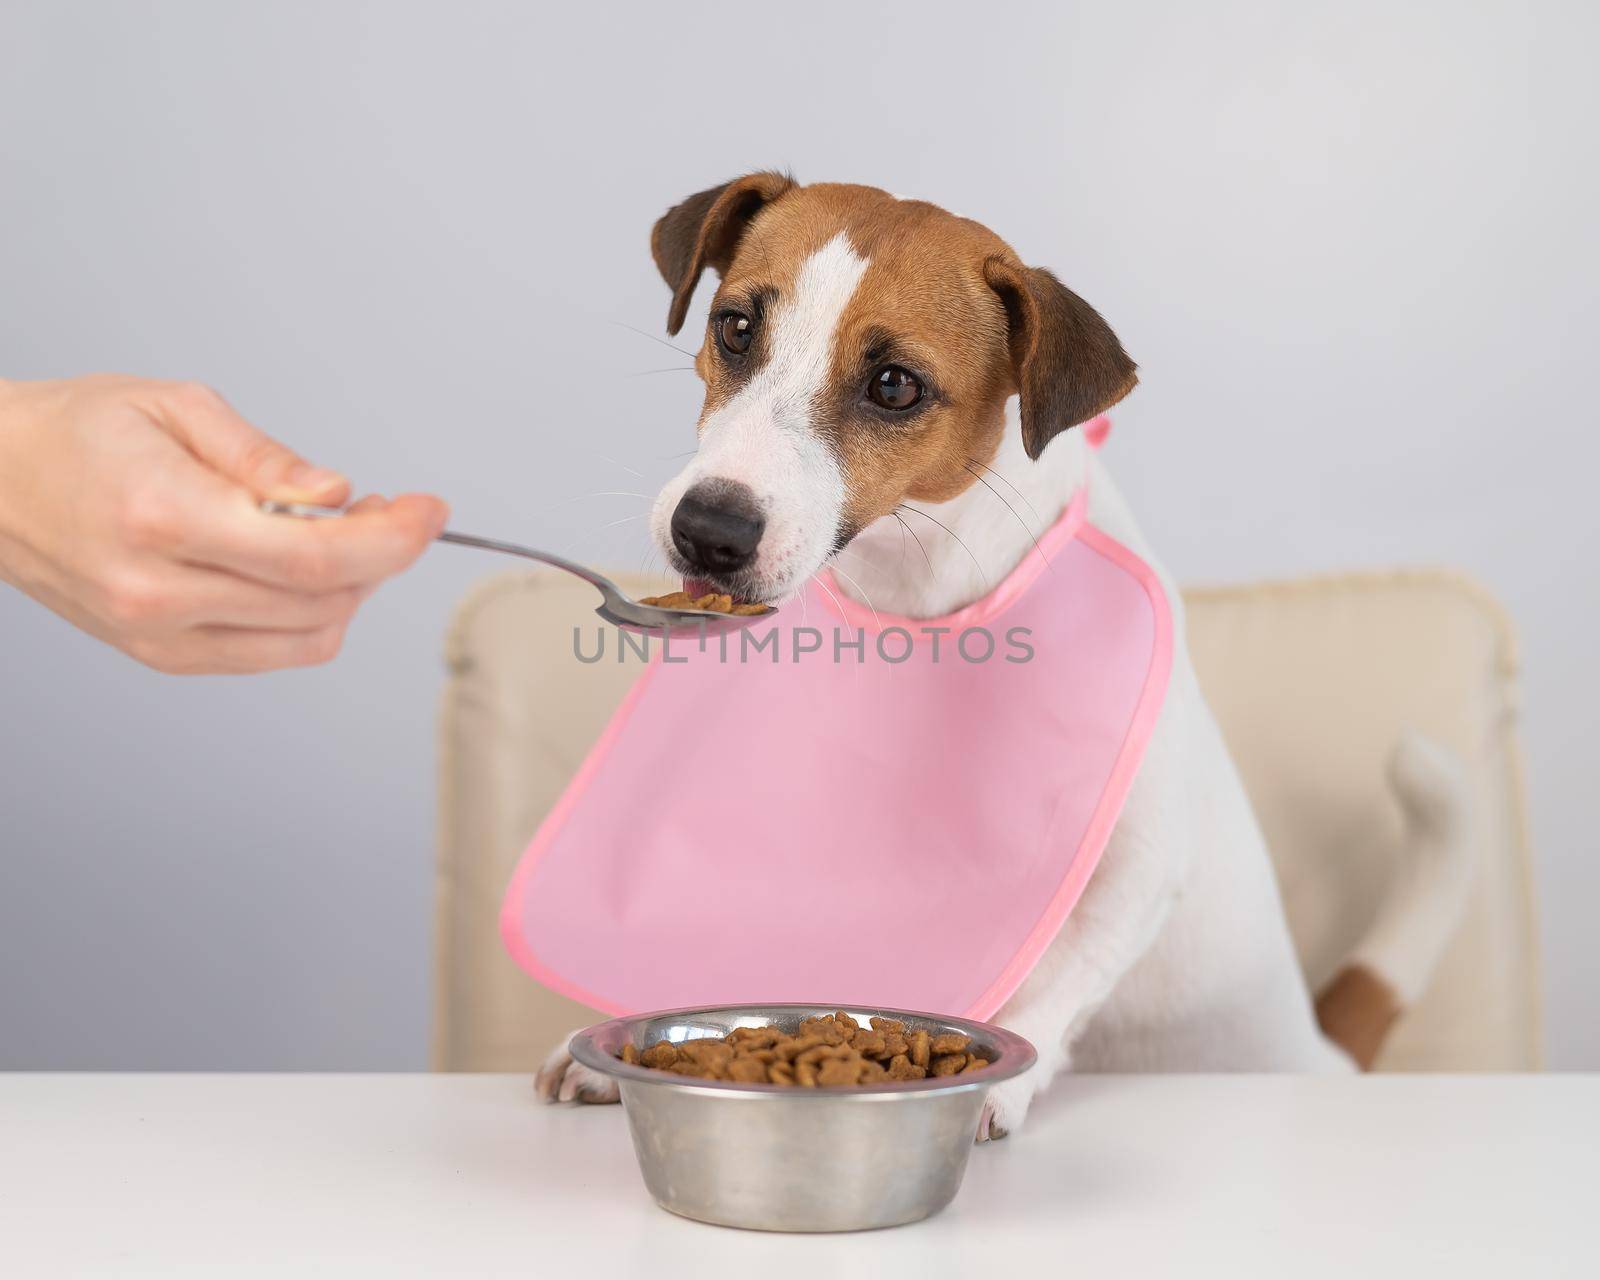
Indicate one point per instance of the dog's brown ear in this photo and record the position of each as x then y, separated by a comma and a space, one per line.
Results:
704, 231
1068, 364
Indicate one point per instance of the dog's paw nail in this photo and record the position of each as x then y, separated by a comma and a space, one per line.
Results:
1004, 1110
988, 1127
557, 1076
546, 1084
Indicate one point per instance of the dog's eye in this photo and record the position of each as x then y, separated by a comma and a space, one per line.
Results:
893, 388
734, 332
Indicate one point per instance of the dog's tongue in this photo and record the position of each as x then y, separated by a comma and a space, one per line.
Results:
694, 588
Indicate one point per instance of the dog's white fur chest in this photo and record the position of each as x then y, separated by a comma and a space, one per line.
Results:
1178, 955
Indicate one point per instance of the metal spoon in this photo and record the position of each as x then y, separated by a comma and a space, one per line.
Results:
617, 608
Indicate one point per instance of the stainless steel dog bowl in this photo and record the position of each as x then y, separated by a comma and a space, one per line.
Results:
785, 1158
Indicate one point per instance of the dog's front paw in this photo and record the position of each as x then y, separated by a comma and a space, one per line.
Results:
561, 1079
1005, 1109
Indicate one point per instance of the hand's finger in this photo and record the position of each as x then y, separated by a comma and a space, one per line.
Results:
197, 596
238, 651
372, 502
207, 424
218, 598
314, 555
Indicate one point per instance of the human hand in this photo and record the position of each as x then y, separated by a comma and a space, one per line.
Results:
131, 508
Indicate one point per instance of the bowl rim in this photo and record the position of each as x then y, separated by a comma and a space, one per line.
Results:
1016, 1055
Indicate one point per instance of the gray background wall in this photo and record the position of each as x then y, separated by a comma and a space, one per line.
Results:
1352, 246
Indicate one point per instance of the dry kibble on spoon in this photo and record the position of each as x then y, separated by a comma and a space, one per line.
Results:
824, 1052
711, 602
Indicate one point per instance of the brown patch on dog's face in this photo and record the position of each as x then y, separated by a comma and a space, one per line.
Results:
922, 308
891, 333
925, 308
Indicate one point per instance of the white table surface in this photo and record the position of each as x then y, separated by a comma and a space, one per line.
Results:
204, 1175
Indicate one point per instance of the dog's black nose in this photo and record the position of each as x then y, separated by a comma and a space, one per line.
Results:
717, 526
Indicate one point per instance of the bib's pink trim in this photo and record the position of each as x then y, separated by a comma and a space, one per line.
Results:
1109, 807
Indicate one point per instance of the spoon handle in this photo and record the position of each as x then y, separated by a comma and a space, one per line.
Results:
529, 553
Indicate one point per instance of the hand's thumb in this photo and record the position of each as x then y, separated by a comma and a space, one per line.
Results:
219, 437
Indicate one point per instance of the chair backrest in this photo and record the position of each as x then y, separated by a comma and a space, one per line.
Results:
1312, 682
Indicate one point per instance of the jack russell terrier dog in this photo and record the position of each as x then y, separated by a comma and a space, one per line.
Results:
860, 354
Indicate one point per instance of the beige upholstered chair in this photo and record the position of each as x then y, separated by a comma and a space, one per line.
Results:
1311, 680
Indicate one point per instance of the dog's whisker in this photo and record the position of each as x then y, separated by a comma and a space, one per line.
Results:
606, 493
859, 559
855, 673
651, 562
607, 458
612, 524
869, 567
632, 329
671, 368
865, 598
908, 529
1039, 519
1019, 519
953, 534
837, 602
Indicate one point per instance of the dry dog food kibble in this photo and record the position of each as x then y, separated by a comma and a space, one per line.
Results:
825, 1051
711, 602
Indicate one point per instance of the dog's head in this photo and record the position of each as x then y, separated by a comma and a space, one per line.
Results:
859, 352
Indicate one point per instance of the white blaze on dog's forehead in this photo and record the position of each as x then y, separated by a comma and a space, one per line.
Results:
800, 346
770, 420
765, 436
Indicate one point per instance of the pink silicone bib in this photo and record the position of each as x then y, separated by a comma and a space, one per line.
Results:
866, 810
